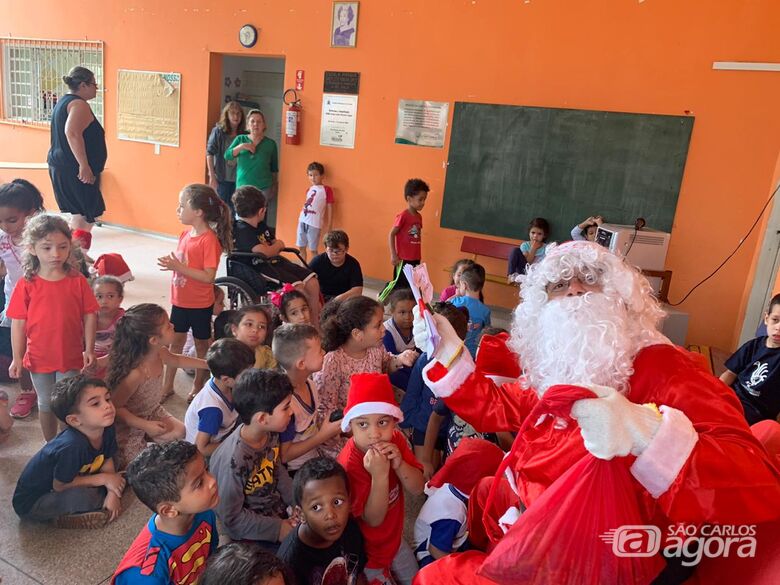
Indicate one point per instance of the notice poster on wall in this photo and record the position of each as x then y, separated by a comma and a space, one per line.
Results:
421, 123
339, 116
148, 106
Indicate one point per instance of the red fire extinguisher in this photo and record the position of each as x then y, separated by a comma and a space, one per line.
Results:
292, 118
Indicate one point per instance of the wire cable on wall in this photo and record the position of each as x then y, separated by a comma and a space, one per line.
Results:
742, 241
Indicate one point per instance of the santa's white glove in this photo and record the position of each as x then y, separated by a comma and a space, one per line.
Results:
612, 426
450, 345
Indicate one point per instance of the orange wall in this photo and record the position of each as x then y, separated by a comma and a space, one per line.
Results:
653, 57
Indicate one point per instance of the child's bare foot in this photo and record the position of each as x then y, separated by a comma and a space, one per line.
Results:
193, 393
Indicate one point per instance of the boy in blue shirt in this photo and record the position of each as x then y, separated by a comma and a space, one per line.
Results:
72, 480
754, 370
172, 480
469, 287
211, 416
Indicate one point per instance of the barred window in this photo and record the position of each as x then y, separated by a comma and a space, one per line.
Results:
32, 76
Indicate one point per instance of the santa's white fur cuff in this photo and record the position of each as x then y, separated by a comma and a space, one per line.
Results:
453, 379
660, 463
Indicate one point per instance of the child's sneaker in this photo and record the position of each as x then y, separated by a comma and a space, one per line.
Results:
24, 405
87, 520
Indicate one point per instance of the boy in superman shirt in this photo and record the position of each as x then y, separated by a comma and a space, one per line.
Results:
173, 481
379, 465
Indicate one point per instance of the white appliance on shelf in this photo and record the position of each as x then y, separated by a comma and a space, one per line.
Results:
645, 248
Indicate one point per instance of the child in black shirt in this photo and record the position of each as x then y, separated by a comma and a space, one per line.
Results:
72, 480
252, 234
327, 541
754, 370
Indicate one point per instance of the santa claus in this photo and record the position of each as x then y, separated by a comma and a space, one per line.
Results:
589, 319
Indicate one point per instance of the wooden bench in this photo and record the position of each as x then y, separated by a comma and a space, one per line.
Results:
489, 249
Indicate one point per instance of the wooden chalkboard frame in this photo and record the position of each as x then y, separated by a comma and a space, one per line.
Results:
509, 164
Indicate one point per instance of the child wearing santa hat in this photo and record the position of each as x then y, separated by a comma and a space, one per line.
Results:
441, 527
379, 464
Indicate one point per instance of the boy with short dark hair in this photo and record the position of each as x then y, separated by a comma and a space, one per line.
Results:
211, 416
398, 332
254, 485
298, 350
471, 282
252, 234
326, 532
379, 465
317, 212
72, 479
339, 273
405, 239
753, 372
173, 482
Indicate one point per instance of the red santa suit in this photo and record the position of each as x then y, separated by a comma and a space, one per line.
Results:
702, 466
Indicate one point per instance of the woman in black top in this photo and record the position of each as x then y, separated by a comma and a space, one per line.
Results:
78, 151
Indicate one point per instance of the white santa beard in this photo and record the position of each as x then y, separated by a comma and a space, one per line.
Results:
577, 340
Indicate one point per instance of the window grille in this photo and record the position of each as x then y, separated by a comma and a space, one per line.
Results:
32, 76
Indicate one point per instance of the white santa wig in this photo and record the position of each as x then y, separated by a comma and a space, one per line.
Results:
588, 339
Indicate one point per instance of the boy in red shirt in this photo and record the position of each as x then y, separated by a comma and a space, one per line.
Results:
379, 463
406, 234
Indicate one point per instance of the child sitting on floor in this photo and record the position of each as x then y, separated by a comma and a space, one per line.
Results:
398, 332
352, 333
379, 465
211, 416
72, 479
328, 539
136, 363
472, 280
457, 270
173, 547
292, 306
253, 326
441, 527
245, 563
254, 485
298, 349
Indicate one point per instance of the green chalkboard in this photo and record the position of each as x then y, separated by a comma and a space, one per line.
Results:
509, 164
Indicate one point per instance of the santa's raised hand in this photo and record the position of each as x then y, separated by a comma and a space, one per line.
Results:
613, 426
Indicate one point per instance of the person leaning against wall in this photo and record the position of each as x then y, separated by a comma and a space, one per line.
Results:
222, 173
257, 157
78, 153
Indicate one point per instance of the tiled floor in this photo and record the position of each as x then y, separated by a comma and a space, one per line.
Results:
31, 553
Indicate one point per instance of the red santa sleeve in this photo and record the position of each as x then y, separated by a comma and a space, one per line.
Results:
487, 406
703, 464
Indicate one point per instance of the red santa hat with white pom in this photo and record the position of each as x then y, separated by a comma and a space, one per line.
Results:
370, 393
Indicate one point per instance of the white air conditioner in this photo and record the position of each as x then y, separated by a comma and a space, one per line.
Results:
646, 248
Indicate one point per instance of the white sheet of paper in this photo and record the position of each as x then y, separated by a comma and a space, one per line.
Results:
417, 276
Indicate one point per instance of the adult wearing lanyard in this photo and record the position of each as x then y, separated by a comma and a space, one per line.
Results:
257, 156
78, 154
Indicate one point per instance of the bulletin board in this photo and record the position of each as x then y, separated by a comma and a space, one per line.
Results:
148, 106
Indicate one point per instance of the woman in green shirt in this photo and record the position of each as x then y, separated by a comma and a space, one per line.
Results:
258, 159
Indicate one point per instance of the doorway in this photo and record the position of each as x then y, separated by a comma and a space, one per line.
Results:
255, 83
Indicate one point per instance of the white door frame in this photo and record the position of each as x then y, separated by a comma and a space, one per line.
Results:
765, 275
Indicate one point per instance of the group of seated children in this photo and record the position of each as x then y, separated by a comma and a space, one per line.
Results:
293, 443
534, 249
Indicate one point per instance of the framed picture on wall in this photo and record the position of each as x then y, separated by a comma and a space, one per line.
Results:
343, 26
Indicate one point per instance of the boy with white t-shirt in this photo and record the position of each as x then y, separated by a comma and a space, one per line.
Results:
211, 417
317, 211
